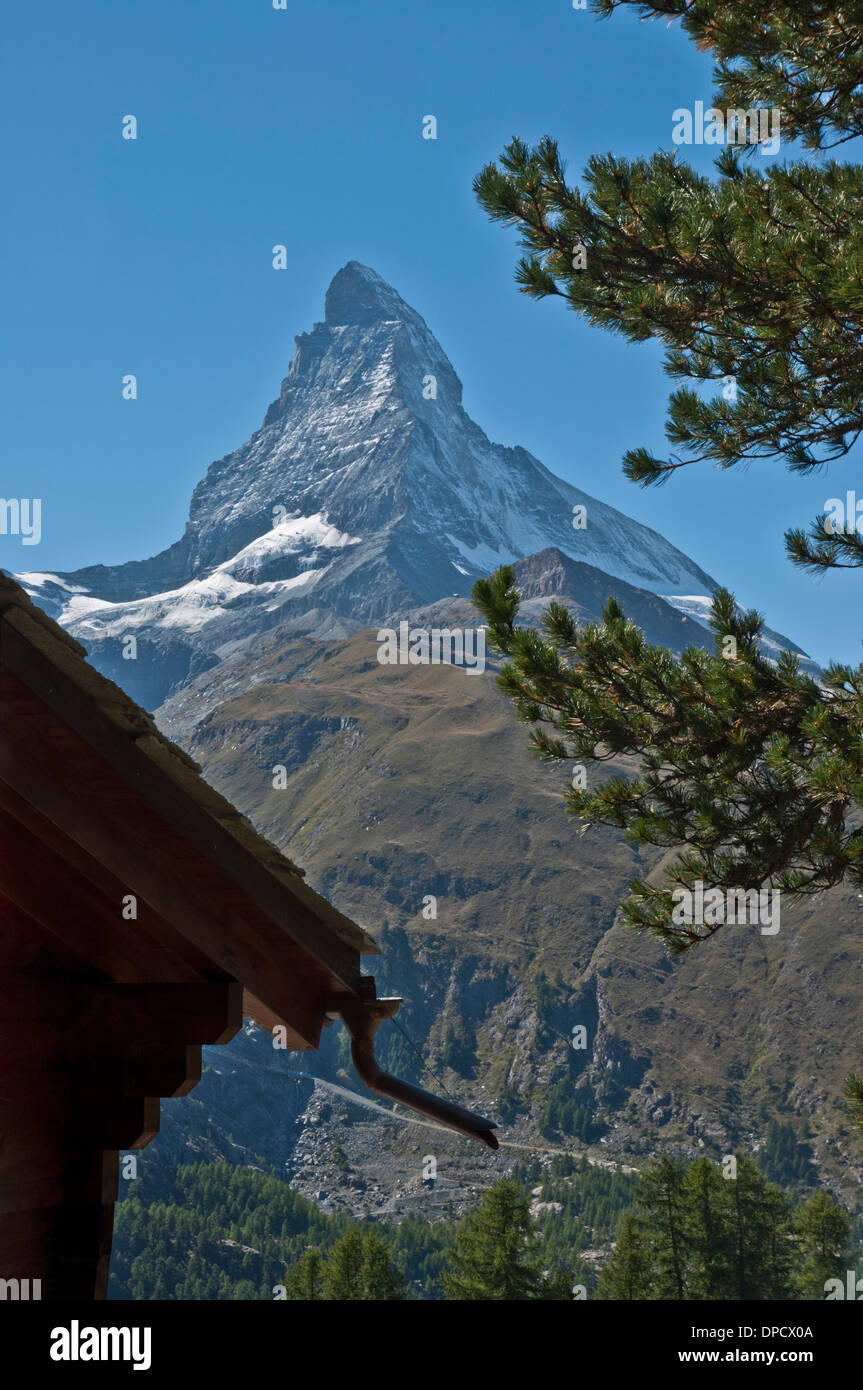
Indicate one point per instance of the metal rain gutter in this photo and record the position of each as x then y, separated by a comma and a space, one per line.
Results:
362, 1018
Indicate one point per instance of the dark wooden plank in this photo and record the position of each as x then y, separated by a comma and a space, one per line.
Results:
63, 1236
196, 1013
153, 1070
50, 892
119, 1122
152, 944
259, 1013
27, 947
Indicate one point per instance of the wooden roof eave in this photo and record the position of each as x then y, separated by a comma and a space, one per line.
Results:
51, 667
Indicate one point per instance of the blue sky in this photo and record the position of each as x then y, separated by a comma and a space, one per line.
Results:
303, 127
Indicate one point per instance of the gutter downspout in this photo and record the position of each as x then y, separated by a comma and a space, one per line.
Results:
362, 1018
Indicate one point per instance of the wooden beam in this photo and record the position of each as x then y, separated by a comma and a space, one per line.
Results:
199, 1013
59, 1230
206, 1012
259, 1013
117, 1069
49, 891
153, 947
25, 947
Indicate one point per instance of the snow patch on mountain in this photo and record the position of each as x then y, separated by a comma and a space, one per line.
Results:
695, 606
698, 606
33, 579
201, 601
296, 536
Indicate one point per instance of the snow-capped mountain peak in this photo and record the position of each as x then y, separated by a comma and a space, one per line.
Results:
366, 492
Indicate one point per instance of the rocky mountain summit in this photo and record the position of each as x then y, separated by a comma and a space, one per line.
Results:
367, 492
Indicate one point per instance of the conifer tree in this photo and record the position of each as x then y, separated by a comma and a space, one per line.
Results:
821, 1227
626, 1275
556, 1288
662, 1203
382, 1281
753, 277
304, 1280
706, 1236
759, 1221
493, 1255
359, 1268
343, 1269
